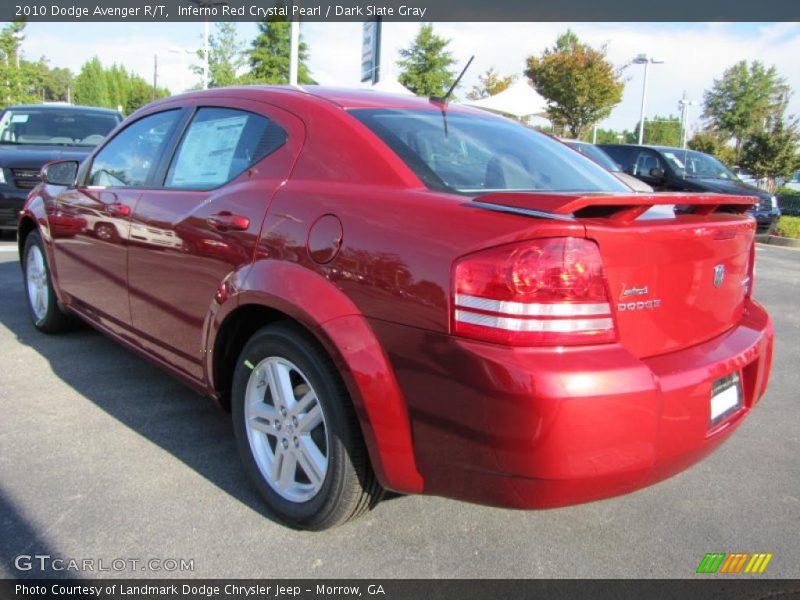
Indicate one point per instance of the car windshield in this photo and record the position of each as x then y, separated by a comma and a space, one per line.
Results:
472, 154
691, 164
55, 127
596, 154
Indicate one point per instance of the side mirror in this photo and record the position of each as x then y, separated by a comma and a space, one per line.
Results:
60, 172
657, 173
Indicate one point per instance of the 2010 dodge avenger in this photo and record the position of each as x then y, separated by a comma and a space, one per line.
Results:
394, 293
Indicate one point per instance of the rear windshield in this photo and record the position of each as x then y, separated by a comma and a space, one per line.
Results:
472, 154
596, 154
55, 127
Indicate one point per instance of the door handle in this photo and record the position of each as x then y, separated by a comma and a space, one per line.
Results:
119, 210
226, 221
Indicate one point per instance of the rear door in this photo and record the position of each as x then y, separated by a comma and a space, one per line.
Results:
91, 255
202, 221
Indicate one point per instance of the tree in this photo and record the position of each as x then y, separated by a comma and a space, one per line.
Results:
113, 87
745, 100
611, 136
140, 92
91, 87
580, 85
226, 56
772, 153
661, 131
269, 55
426, 64
489, 84
711, 143
11, 76
57, 84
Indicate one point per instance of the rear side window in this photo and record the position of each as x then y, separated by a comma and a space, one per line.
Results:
220, 144
472, 154
129, 158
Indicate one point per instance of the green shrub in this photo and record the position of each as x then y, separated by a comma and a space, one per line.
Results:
789, 227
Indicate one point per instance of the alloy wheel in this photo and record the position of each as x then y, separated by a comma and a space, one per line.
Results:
36, 279
286, 429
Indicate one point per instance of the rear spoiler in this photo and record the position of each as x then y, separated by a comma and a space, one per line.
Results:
617, 207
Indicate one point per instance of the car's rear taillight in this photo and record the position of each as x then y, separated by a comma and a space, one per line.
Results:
550, 291
750, 280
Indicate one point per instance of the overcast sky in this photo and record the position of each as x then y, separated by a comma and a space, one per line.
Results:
694, 53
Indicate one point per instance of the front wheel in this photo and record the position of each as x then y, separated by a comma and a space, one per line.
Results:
297, 432
42, 304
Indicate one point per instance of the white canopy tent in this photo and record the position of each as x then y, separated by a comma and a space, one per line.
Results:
519, 99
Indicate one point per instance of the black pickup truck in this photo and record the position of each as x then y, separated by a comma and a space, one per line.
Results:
680, 170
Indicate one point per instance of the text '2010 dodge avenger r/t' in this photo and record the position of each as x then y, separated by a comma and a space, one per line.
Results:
395, 294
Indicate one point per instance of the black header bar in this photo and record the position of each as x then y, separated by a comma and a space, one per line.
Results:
404, 10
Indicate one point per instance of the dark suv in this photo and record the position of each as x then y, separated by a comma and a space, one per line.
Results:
32, 135
678, 170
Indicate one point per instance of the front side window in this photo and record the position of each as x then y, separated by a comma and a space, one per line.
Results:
55, 126
219, 145
128, 159
473, 154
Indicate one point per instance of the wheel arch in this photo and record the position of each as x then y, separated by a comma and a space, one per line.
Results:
26, 225
275, 291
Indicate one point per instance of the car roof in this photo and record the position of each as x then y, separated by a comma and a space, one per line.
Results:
672, 149
339, 96
60, 106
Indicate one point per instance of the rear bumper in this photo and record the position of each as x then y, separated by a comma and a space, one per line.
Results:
538, 428
11, 202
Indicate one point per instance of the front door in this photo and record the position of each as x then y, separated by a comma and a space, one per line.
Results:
203, 222
91, 260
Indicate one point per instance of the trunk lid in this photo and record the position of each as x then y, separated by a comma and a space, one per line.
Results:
673, 282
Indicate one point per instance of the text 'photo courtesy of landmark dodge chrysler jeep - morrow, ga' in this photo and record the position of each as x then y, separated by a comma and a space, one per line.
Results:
390, 293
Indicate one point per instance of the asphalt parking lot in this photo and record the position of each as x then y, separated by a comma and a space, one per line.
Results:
103, 456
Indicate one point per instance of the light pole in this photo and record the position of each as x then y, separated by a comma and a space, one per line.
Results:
644, 59
206, 4
684, 104
294, 52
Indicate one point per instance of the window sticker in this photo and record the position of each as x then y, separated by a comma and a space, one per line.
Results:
206, 154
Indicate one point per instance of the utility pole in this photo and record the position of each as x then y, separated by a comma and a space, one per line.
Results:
155, 76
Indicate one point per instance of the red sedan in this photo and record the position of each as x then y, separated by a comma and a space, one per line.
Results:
391, 293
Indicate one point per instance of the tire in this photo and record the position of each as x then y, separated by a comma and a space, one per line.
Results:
106, 232
313, 470
42, 303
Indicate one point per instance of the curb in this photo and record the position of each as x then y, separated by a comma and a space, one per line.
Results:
774, 240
